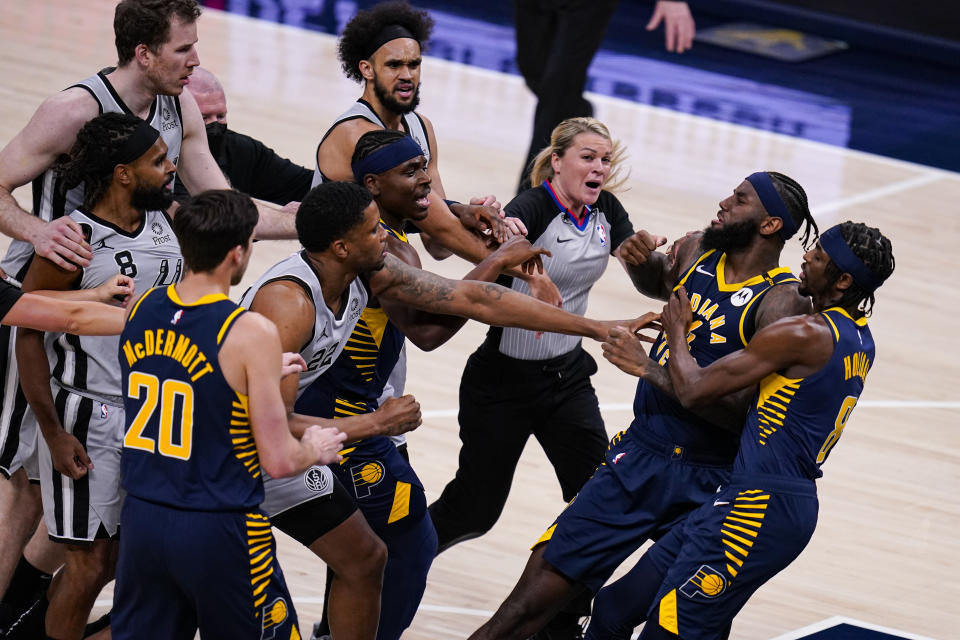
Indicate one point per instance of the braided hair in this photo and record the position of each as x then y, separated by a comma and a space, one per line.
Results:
796, 200
875, 251
372, 141
363, 28
90, 161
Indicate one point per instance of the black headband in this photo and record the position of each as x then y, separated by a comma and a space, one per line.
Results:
773, 203
136, 145
388, 33
833, 244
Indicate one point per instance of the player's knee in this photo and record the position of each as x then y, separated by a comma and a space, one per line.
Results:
90, 569
369, 561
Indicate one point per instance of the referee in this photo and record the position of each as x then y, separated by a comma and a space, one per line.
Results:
520, 383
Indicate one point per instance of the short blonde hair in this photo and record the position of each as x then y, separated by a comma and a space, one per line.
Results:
560, 140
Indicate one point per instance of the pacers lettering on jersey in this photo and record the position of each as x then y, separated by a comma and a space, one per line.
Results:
856, 366
167, 342
705, 308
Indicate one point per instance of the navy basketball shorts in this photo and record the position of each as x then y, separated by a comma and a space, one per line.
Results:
725, 550
638, 493
382, 482
179, 571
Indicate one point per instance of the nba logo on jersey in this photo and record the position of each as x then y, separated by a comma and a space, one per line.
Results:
706, 582
176, 317
741, 297
104, 412
273, 615
602, 234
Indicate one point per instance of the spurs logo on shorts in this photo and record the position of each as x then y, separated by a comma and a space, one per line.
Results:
365, 477
706, 582
314, 479
273, 615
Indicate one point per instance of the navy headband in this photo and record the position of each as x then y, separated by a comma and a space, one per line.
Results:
772, 202
136, 145
388, 33
386, 158
833, 244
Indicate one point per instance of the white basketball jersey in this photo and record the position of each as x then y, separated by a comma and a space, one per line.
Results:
49, 201
151, 256
412, 124
330, 332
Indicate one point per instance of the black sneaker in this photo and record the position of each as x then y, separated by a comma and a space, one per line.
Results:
318, 632
563, 628
29, 625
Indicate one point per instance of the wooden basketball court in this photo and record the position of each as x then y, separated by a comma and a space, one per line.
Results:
886, 549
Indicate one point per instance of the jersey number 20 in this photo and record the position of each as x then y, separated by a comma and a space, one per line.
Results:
173, 441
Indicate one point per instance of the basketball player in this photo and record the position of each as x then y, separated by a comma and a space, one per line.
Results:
198, 469
670, 459
392, 166
381, 47
72, 383
810, 370
156, 50
316, 297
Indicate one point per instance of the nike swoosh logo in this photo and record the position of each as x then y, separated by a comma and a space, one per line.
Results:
564, 239
717, 503
699, 269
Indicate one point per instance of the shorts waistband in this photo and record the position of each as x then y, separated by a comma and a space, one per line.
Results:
116, 401
676, 451
780, 484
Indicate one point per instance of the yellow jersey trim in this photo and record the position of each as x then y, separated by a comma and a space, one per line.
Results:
723, 285
226, 323
860, 322
207, 299
137, 305
401, 503
668, 613
683, 280
833, 325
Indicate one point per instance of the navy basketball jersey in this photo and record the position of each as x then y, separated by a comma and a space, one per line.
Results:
723, 322
355, 381
795, 423
188, 441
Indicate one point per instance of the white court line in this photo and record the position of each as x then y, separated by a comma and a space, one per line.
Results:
879, 192
835, 620
874, 404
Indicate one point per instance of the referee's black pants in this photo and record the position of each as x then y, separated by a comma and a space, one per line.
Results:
556, 42
503, 401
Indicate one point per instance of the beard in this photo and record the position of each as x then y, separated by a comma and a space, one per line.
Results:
729, 237
158, 199
391, 103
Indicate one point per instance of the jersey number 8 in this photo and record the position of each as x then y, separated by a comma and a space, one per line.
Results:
167, 397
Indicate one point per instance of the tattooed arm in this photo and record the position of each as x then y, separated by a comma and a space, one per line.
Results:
481, 301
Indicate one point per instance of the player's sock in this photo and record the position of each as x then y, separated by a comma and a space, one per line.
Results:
26, 583
97, 625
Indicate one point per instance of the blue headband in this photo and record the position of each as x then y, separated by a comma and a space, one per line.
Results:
386, 158
833, 244
773, 203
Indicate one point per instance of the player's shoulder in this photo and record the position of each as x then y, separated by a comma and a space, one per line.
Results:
251, 326
349, 131
404, 251
71, 108
782, 301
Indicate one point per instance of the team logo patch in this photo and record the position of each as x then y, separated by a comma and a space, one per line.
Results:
354, 309
272, 616
157, 228
706, 582
176, 317
741, 297
365, 477
315, 479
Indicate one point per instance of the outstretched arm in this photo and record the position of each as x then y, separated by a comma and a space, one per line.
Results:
654, 273
797, 346
487, 303
46, 313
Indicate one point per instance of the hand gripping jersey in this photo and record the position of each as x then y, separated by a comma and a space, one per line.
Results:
796, 422
49, 202
411, 122
188, 442
151, 256
723, 322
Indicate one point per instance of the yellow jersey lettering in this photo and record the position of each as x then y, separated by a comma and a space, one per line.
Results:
708, 312
148, 342
177, 352
717, 322
158, 348
188, 358
128, 351
717, 339
200, 358
138, 349
208, 368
